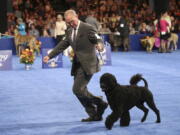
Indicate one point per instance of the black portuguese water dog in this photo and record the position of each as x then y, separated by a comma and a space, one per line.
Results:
122, 98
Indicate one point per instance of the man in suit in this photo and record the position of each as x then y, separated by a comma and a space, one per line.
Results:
83, 38
123, 29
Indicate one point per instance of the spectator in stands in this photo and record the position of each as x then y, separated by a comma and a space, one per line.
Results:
105, 18
71, 3
136, 25
131, 29
11, 19
60, 27
143, 29
27, 4
12, 30
113, 18
104, 29
83, 15
33, 31
41, 11
52, 29
21, 27
17, 12
46, 32
176, 26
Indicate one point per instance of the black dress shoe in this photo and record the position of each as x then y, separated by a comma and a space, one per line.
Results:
90, 119
101, 108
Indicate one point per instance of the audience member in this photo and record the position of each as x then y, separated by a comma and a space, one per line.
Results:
21, 27
33, 31
41, 14
60, 27
143, 29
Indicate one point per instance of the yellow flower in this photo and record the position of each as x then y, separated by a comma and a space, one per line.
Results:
27, 56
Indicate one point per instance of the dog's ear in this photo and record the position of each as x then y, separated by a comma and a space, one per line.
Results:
108, 81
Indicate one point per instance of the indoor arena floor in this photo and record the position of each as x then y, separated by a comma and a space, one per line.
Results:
41, 102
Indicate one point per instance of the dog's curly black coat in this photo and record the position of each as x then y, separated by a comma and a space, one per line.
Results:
122, 98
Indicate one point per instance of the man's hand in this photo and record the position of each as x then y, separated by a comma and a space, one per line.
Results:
46, 59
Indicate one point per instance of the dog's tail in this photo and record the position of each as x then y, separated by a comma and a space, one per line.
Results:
137, 78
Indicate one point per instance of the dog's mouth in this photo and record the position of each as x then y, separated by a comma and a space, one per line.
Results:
108, 82
103, 87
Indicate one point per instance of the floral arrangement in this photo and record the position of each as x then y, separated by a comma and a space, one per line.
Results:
27, 56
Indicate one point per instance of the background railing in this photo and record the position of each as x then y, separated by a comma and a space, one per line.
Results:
49, 42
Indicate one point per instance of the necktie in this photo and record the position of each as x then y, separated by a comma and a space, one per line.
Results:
74, 35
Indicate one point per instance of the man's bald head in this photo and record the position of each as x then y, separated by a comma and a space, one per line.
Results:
71, 18
71, 13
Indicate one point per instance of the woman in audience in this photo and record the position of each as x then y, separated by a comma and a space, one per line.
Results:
60, 27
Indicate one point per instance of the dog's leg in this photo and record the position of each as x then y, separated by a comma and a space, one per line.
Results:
151, 47
174, 45
150, 44
152, 105
162, 48
125, 119
169, 45
144, 109
148, 48
20, 50
16, 49
113, 117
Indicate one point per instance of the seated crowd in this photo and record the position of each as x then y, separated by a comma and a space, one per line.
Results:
40, 17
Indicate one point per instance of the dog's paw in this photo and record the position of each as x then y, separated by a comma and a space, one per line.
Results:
143, 119
158, 121
108, 124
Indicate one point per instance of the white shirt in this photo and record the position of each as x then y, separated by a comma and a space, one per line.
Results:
60, 28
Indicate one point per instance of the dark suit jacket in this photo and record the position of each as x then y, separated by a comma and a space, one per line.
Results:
84, 48
124, 31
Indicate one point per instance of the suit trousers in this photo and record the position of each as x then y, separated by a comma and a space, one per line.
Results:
87, 99
125, 42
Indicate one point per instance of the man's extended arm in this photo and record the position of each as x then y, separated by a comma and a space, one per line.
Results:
61, 46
